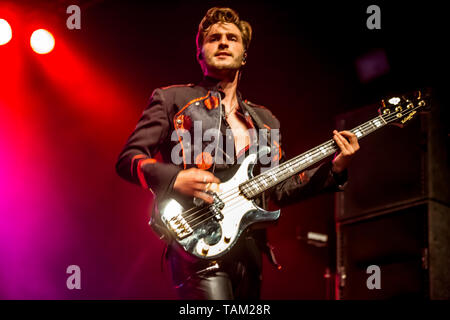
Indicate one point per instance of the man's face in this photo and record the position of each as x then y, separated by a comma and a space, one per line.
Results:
223, 49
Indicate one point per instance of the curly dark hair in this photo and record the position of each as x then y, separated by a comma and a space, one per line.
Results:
215, 15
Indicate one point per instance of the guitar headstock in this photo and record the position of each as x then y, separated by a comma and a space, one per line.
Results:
399, 110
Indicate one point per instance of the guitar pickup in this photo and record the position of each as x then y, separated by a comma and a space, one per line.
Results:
217, 206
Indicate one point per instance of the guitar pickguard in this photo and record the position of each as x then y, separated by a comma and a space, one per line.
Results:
207, 232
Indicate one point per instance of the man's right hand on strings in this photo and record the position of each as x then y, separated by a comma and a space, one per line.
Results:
195, 182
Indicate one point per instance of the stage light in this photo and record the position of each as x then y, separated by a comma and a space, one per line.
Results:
42, 41
5, 32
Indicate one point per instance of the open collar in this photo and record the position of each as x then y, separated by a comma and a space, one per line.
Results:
212, 84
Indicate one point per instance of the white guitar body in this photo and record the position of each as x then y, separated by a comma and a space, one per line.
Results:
210, 231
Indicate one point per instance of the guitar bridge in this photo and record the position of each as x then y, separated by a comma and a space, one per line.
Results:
180, 226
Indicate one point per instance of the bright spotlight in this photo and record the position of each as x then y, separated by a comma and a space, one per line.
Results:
5, 32
42, 41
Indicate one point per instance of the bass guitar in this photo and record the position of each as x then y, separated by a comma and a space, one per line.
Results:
209, 231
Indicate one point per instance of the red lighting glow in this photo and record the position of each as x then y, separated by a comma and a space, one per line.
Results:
42, 41
5, 32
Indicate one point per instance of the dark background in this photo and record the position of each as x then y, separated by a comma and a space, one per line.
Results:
301, 65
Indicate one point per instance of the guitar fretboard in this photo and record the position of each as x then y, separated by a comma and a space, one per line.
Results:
278, 174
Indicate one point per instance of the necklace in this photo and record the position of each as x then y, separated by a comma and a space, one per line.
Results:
231, 111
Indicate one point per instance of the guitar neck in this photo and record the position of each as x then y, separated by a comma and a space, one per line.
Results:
287, 169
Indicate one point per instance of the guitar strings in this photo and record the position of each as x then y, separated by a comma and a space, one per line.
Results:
231, 205
234, 192
247, 186
205, 210
367, 127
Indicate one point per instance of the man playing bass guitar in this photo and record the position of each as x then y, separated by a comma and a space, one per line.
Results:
172, 124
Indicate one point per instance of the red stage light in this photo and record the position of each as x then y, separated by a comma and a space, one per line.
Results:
5, 32
42, 41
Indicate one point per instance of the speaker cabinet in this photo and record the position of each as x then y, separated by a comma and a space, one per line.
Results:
409, 245
394, 212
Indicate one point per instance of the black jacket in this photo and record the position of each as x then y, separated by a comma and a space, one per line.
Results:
179, 107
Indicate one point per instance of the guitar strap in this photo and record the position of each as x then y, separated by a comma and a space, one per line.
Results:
260, 125
255, 117
260, 235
